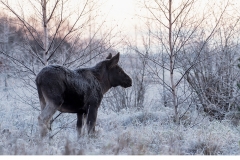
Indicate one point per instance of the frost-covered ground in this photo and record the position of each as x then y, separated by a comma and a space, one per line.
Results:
149, 131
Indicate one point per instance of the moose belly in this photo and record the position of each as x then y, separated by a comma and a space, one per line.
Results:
73, 103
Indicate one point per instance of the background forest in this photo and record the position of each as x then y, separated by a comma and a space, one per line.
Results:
183, 58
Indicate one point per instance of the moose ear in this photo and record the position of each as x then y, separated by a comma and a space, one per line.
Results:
109, 56
114, 60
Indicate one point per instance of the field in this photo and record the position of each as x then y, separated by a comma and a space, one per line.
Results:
182, 56
149, 131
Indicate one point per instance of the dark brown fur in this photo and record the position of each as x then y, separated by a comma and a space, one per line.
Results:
77, 91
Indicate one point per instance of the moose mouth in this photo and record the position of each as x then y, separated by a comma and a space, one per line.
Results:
127, 84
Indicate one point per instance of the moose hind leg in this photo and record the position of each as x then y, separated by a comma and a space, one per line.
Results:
41, 98
80, 122
45, 117
42, 103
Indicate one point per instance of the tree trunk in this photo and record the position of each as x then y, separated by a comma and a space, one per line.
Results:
45, 30
172, 61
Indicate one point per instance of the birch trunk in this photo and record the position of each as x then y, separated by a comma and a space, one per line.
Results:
45, 32
172, 61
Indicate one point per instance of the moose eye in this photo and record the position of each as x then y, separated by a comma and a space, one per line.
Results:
119, 71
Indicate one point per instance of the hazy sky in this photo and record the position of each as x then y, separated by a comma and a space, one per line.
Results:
120, 13
121, 9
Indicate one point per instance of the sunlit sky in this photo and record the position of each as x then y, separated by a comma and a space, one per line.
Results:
116, 13
120, 13
121, 9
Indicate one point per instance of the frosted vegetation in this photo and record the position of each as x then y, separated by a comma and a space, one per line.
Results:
184, 67
149, 130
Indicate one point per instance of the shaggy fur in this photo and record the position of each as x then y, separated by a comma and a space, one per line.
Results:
77, 91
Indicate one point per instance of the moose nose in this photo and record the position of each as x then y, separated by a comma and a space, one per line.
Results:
129, 83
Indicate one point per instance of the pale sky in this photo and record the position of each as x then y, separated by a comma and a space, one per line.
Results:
120, 13
121, 9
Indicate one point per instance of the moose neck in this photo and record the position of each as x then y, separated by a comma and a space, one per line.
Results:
102, 77
105, 85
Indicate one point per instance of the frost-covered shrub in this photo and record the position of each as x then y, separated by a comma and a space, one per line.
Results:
233, 117
148, 131
204, 148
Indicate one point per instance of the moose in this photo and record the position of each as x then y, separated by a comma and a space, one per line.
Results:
77, 91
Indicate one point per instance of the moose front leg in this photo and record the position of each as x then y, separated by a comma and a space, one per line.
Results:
91, 118
80, 121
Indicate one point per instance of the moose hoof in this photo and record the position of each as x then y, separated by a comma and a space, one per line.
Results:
43, 131
49, 126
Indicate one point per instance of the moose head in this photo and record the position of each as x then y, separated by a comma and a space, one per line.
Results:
116, 75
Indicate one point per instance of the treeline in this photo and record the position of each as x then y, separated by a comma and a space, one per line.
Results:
19, 47
189, 55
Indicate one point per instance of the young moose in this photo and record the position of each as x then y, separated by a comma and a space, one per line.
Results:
77, 91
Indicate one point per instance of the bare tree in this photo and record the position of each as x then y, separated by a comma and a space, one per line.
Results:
174, 26
215, 76
55, 32
49, 27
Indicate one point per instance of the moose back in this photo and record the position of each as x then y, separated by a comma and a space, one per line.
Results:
77, 91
